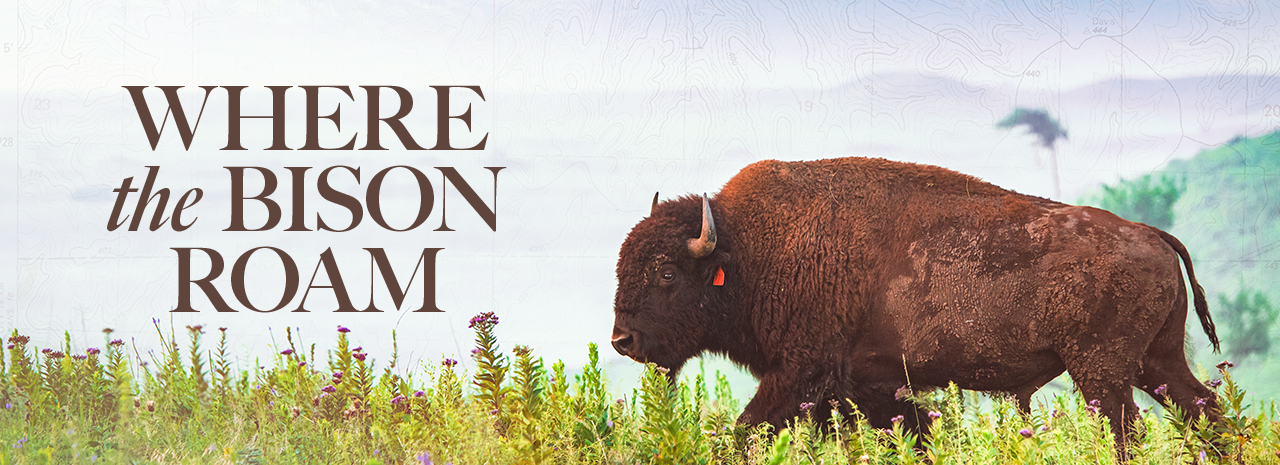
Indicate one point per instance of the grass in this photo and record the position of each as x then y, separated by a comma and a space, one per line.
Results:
187, 405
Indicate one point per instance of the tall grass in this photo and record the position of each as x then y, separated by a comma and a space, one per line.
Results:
188, 405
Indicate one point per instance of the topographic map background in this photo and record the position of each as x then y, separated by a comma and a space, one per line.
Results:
592, 107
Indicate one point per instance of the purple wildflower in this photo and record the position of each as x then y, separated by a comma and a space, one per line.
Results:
398, 399
79, 357
343, 329
46, 351
1043, 428
897, 419
1200, 401
493, 412
419, 393
116, 342
449, 363
302, 364
1026, 433
609, 424
1161, 389
424, 458
1213, 383
902, 393
337, 375
357, 349
806, 406
329, 388
286, 352
935, 415
92, 351
1225, 364
483, 319
475, 352
360, 356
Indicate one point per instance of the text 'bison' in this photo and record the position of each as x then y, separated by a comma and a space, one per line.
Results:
845, 278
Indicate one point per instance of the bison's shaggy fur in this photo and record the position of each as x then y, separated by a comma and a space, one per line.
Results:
847, 278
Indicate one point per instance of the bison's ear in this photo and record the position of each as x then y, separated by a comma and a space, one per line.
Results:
653, 206
706, 243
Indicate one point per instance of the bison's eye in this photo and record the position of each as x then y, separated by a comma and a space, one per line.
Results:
666, 275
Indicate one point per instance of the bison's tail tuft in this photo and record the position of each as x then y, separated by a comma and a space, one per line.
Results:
1197, 292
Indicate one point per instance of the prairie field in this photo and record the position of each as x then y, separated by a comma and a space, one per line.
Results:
187, 405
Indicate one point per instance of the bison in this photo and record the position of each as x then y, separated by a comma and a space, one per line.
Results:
850, 278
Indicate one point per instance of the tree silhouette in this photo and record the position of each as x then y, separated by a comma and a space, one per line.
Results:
1039, 123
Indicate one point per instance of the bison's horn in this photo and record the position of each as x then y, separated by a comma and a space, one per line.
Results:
705, 244
654, 206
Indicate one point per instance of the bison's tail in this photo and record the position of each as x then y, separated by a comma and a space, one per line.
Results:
1202, 307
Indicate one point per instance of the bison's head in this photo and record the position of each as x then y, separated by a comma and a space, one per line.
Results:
666, 270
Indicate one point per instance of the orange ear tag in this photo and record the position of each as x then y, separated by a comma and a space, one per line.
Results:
719, 279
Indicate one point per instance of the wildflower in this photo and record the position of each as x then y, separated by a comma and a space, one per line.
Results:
19, 444
1200, 401
302, 364
475, 352
1225, 364
46, 351
8, 405
116, 342
296, 412
222, 328
1213, 383
424, 458
449, 363
143, 364
79, 357
1043, 428
155, 321
1203, 457
1161, 389
663, 370
1093, 406
56, 354
609, 424
398, 400
486, 318
522, 350
419, 393
806, 406
286, 352
864, 459
196, 329
19, 339
151, 405
897, 419
329, 388
92, 351
493, 412
360, 356
835, 404
1026, 433
337, 375
343, 329
935, 415
902, 393
108, 330
357, 349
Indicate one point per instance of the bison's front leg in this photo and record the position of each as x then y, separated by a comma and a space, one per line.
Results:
777, 400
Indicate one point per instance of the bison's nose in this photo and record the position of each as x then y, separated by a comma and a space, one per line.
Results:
622, 341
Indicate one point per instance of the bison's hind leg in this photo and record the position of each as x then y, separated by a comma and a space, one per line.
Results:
1167, 378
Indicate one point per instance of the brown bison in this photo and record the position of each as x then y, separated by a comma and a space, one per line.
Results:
850, 278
